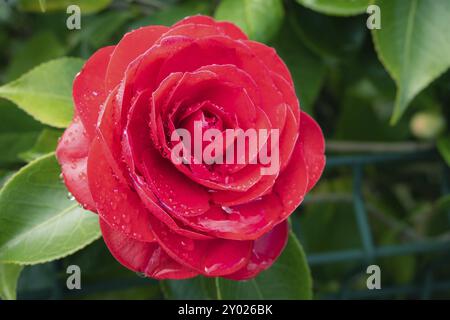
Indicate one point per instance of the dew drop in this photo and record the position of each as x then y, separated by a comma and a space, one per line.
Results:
187, 244
228, 210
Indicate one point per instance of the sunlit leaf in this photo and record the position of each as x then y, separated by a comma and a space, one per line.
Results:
9, 275
260, 19
337, 7
86, 6
38, 222
413, 44
45, 92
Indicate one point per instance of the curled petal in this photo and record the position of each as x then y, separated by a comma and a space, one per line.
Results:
176, 192
142, 73
227, 28
223, 50
313, 145
247, 221
193, 30
72, 153
233, 198
132, 45
271, 59
215, 257
292, 183
89, 88
152, 204
264, 253
144, 257
288, 138
115, 201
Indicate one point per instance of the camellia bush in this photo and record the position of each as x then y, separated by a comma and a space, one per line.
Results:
93, 207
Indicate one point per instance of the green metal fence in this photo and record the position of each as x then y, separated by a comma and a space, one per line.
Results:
369, 253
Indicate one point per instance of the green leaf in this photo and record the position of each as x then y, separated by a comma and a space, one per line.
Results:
172, 14
9, 275
46, 143
43, 5
98, 30
337, 7
288, 278
4, 176
413, 44
86, 6
308, 70
30, 54
198, 288
259, 19
443, 145
344, 42
46, 91
18, 133
38, 223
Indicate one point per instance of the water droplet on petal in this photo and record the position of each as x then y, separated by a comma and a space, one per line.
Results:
187, 244
228, 210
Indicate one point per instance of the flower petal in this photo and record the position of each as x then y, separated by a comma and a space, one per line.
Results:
116, 203
144, 257
264, 253
215, 257
226, 27
131, 46
313, 144
89, 88
247, 221
72, 153
176, 192
271, 59
292, 183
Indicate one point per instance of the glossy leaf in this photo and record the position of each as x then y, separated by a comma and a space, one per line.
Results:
259, 19
337, 7
288, 278
45, 92
307, 69
314, 29
413, 44
86, 6
172, 14
38, 222
18, 133
45, 143
29, 54
98, 30
198, 288
43, 5
9, 275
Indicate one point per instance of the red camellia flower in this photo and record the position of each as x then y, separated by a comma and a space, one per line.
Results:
177, 220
